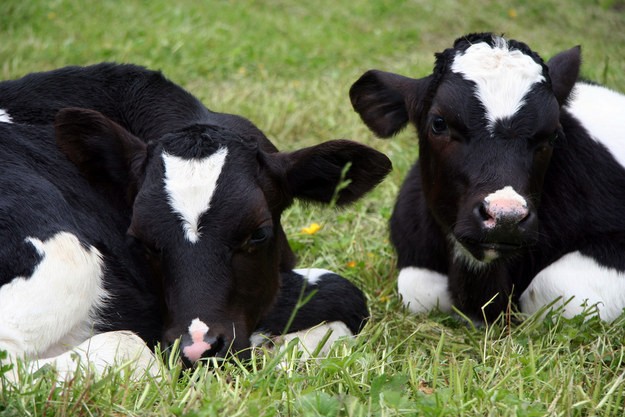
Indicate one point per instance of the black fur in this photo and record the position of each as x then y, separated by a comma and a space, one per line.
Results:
112, 124
574, 187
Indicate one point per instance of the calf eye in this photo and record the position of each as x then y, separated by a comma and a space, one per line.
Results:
260, 235
439, 126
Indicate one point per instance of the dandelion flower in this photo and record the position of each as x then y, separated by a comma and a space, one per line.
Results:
312, 229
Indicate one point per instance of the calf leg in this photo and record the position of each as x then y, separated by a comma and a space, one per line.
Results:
313, 302
49, 311
579, 282
423, 290
99, 353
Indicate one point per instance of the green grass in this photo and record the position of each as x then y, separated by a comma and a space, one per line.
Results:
287, 65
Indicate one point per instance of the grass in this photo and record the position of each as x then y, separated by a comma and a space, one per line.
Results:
287, 66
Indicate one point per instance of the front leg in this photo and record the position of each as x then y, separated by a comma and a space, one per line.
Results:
312, 302
577, 282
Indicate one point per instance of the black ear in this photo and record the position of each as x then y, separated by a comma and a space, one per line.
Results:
383, 100
564, 71
106, 153
315, 173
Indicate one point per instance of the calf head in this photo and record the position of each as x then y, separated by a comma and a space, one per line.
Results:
207, 203
487, 120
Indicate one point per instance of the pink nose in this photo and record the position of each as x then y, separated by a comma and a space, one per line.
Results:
504, 206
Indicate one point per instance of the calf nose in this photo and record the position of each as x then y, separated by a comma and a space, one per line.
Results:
503, 208
198, 344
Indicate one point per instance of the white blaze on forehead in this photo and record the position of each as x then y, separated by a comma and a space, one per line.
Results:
4, 117
503, 77
190, 185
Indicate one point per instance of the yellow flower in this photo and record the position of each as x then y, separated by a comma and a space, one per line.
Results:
351, 264
312, 229
512, 13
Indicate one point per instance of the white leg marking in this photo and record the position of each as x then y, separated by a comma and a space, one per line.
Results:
99, 353
423, 290
602, 112
53, 309
190, 185
4, 117
503, 77
575, 275
312, 275
309, 340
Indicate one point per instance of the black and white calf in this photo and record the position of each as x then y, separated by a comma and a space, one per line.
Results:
144, 211
519, 191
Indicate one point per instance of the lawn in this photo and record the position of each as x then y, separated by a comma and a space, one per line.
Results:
287, 66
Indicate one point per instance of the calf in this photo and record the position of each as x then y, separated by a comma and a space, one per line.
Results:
519, 191
173, 209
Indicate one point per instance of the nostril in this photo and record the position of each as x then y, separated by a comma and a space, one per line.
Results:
528, 219
482, 213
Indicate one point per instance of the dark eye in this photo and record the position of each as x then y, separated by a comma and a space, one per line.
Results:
260, 235
439, 126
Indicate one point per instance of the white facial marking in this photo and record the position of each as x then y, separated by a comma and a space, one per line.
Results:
507, 193
190, 185
4, 117
503, 77
423, 290
53, 309
197, 330
579, 276
504, 202
312, 275
602, 112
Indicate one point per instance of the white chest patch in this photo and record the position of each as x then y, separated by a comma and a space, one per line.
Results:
503, 77
4, 117
190, 185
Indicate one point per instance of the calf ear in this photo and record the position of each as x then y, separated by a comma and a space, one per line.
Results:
384, 99
564, 71
315, 173
106, 153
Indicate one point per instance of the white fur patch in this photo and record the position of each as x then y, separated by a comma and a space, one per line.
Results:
310, 340
503, 77
190, 185
576, 275
119, 350
423, 290
54, 309
602, 112
506, 193
4, 117
312, 275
